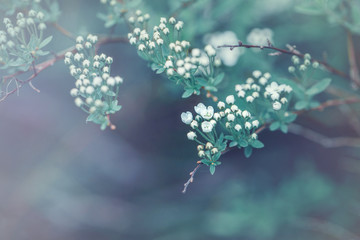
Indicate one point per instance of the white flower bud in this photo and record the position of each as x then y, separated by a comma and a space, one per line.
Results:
231, 117
186, 117
255, 123
221, 105
206, 127
191, 135
238, 127
230, 99
276, 106
74, 92
248, 125
78, 102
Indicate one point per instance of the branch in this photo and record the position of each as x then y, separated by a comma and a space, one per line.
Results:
324, 140
48, 63
291, 51
63, 31
336, 142
354, 71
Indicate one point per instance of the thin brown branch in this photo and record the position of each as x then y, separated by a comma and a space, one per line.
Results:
324, 140
336, 142
48, 63
63, 31
354, 71
291, 51
191, 179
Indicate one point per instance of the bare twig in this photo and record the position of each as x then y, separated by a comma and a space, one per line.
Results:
191, 179
354, 71
291, 51
63, 31
48, 63
324, 140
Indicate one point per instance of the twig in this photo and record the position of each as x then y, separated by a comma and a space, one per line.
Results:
354, 71
291, 51
354, 142
324, 140
63, 31
48, 63
191, 179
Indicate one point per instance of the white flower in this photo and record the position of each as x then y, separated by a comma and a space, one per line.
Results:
104, 88
276, 106
194, 124
256, 74
201, 153
234, 108
263, 80
170, 72
267, 75
131, 19
231, 117
179, 25
74, 92
152, 45
90, 90
78, 102
238, 127
255, 94
217, 116
137, 31
86, 63
221, 105
255, 123
275, 96
163, 20
159, 41
77, 57
181, 71
118, 80
168, 64
260, 36
110, 81
283, 100
172, 20
186, 117
248, 125
166, 31
195, 52
206, 127
132, 41
89, 100
241, 94
245, 114
210, 50
204, 61
227, 111
178, 48
97, 81
191, 135
254, 136
249, 99
141, 47
230, 99
213, 122
199, 108
207, 113
98, 103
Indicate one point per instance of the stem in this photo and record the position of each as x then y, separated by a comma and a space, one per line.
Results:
291, 51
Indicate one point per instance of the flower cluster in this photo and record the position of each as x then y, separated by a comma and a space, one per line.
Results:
166, 52
96, 91
307, 84
268, 99
22, 42
213, 130
115, 13
260, 88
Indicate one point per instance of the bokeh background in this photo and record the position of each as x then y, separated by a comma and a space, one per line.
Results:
61, 178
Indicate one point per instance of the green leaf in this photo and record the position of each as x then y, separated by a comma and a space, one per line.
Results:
228, 137
302, 104
290, 118
233, 144
187, 93
248, 151
206, 162
284, 128
257, 144
212, 169
243, 143
218, 79
45, 42
318, 87
274, 126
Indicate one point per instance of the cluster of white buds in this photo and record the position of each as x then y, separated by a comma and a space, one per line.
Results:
22, 41
304, 65
259, 86
95, 90
168, 53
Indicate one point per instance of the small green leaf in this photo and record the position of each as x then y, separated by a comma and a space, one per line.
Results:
248, 151
290, 118
284, 128
318, 87
243, 143
45, 42
212, 169
274, 126
187, 93
257, 144
233, 144
218, 79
